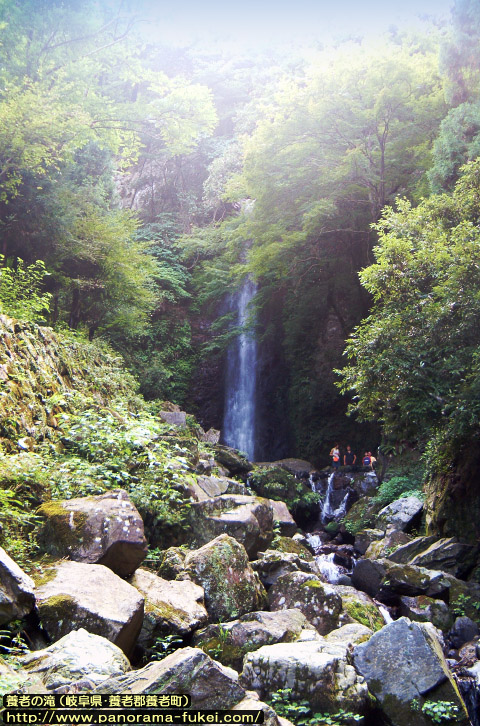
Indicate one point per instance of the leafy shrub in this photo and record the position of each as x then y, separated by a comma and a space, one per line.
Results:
395, 488
21, 294
277, 483
300, 713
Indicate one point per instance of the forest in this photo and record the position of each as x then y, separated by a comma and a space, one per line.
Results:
220, 265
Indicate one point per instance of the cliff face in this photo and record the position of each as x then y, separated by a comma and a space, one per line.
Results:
40, 372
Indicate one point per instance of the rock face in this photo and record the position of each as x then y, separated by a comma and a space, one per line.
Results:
103, 530
403, 662
170, 606
317, 671
229, 642
249, 520
174, 418
231, 587
402, 514
16, 590
78, 656
90, 597
188, 670
320, 604
232, 460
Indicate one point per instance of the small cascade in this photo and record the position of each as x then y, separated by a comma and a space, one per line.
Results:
327, 567
241, 377
332, 509
385, 613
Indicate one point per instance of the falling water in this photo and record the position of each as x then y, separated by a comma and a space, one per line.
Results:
241, 373
329, 510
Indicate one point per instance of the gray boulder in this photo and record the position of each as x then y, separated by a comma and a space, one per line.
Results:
206, 487
317, 671
230, 642
231, 587
402, 514
17, 597
187, 671
387, 580
426, 610
463, 631
170, 606
447, 555
403, 664
365, 537
273, 564
91, 597
283, 519
319, 602
103, 530
404, 554
76, 657
174, 418
249, 520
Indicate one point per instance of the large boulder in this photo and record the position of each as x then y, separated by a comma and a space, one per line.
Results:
17, 597
187, 671
170, 606
358, 607
317, 671
283, 519
402, 514
102, 530
206, 487
78, 656
319, 602
427, 610
447, 555
171, 563
273, 564
251, 702
404, 666
231, 587
90, 597
365, 537
232, 460
404, 553
383, 547
248, 519
229, 642
387, 581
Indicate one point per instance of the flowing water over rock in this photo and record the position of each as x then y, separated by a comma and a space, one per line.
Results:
333, 508
241, 376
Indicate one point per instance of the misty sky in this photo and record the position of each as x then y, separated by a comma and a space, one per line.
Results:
265, 21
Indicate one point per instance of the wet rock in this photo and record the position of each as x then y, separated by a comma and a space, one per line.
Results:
91, 597
187, 671
249, 520
426, 610
402, 662
317, 671
231, 587
402, 514
230, 642
283, 519
170, 606
74, 657
319, 602
287, 544
464, 629
272, 564
17, 597
103, 530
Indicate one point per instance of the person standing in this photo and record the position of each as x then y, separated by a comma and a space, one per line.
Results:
349, 458
335, 454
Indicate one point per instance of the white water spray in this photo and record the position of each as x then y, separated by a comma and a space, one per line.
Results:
241, 378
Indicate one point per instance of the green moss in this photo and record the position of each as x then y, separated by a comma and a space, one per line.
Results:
287, 544
364, 613
57, 607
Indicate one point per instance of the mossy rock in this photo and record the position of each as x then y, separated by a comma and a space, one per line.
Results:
289, 545
276, 483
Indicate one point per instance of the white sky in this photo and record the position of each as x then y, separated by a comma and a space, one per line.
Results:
268, 21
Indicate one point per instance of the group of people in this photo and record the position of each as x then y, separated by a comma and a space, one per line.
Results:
350, 459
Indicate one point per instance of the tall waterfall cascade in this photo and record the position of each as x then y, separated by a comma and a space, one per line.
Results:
241, 377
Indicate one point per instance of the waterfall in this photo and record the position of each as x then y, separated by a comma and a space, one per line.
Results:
335, 502
241, 373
